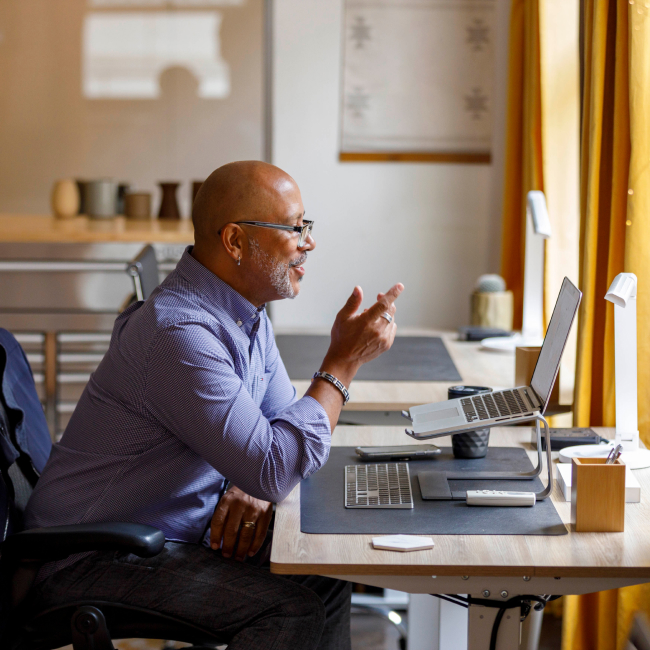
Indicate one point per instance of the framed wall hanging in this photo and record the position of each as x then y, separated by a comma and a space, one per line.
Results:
418, 77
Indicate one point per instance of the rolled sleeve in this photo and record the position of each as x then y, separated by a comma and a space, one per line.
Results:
192, 389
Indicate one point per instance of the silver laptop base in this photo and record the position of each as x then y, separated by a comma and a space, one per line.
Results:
517, 476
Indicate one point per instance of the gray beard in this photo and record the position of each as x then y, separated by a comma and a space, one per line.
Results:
277, 272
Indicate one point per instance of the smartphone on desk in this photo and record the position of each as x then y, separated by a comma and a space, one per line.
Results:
406, 452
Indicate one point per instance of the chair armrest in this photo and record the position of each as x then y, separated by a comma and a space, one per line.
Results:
58, 542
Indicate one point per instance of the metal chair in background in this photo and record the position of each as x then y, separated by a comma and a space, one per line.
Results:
143, 270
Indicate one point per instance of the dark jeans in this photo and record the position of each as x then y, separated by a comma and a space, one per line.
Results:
247, 606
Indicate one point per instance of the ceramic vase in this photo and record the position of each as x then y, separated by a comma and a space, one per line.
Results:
122, 189
81, 186
65, 199
169, 203
101, 198
137, 205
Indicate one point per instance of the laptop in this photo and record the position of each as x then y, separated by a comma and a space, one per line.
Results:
505, 407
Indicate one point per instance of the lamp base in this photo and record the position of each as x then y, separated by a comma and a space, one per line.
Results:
508, 344
637, 459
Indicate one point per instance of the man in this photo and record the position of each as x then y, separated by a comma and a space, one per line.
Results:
190, 424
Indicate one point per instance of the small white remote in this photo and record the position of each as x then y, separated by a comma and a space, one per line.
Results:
499, 498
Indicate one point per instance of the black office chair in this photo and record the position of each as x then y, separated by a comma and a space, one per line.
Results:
86, 624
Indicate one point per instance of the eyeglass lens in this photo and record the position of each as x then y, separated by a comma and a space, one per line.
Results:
306, 231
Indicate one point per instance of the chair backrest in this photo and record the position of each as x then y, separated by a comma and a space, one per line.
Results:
143, 269
23, 435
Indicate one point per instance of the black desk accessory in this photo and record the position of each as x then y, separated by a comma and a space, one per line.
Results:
475, 333
323, 511
570, 437
469, 444
411, 358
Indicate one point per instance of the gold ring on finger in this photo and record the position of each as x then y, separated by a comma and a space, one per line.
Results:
248, 524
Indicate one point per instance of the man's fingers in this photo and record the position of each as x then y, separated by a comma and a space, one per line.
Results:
260, 532
386, 301
246, 535
217, 524
230, 533
353, 303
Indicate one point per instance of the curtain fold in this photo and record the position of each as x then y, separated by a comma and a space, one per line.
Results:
614, 237
523, 156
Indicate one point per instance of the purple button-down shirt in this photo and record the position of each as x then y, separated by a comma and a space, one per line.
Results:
191, 392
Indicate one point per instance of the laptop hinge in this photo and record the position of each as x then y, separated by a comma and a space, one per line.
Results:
540, 403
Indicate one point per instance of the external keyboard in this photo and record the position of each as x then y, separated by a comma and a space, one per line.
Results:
486, 406
381, 485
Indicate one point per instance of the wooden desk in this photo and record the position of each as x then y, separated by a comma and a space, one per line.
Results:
37, 228
476, 367
576, 563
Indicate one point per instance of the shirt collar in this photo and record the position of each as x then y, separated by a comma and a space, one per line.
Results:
216, 292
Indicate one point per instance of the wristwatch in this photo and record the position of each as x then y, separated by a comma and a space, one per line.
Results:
333, 380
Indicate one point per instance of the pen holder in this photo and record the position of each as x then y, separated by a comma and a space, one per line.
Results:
597, 495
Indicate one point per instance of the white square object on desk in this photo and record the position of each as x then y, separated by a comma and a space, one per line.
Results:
632, 486
402, 543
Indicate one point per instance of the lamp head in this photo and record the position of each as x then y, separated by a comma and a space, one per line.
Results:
622, 289
536, 207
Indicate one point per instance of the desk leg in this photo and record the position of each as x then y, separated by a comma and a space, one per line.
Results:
436, 624
481, 620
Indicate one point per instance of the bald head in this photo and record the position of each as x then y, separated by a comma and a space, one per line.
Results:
248, 190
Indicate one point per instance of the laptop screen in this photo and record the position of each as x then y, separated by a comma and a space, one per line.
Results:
557, 334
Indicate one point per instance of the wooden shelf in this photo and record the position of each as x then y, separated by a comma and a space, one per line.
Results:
36, 228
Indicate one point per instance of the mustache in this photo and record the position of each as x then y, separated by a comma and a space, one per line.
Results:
301, 260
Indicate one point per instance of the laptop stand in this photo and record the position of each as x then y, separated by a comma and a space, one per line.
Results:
518, 476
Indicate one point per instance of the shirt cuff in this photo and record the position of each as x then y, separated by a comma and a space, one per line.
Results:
308, 421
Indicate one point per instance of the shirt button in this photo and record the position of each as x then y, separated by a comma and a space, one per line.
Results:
238, 323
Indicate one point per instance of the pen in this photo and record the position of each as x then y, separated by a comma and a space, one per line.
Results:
614, 455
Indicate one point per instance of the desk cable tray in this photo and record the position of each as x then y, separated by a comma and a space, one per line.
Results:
381, 485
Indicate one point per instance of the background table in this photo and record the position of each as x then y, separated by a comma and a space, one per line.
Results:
576, 563
478, 368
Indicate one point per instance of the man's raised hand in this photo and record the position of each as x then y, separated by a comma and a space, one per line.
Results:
359, 338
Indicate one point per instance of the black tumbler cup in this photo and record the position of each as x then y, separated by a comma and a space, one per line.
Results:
469, 444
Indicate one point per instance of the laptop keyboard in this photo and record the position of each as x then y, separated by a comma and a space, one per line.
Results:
381, 485
493, 405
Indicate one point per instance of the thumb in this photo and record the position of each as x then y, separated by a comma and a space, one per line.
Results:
353, 303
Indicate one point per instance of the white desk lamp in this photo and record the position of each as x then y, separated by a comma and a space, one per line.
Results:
538, 228
622, 292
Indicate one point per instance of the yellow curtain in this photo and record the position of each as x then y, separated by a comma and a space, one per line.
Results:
523, 158
614, 237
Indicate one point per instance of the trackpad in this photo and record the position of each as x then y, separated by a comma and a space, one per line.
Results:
442, 414
434, 486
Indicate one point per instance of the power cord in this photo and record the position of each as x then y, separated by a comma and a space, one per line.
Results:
523, 602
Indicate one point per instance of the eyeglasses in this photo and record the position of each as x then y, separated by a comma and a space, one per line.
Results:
304, 230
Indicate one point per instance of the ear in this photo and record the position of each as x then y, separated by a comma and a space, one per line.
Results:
233, 240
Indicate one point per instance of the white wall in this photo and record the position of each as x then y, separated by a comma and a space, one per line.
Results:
433, 227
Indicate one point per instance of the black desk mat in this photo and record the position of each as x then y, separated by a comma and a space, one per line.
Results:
322, 510
411, 358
